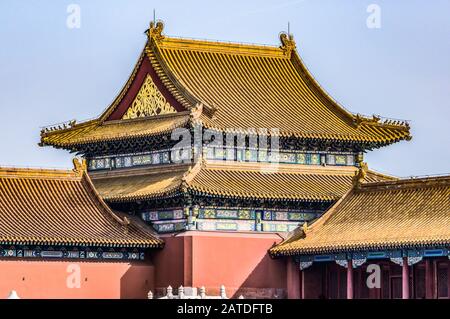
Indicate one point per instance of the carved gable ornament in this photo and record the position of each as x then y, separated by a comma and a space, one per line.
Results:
148, 102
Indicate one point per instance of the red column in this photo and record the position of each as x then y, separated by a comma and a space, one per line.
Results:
350, 279
293, 279
405, 278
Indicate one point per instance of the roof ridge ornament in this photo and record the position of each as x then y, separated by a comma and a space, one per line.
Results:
155, 31
189, 175
360, 175
361, 119
305, 227
287, 43
196, 111
79, 166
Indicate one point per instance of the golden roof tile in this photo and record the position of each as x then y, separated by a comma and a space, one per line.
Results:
241, 87
62, 207
381, 215
243, 180
95, 131
253, 86
135, 184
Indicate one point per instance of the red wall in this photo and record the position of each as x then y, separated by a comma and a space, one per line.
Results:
48, 279
211, 259
292, 279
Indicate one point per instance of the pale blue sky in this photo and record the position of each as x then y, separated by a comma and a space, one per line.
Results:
50, 73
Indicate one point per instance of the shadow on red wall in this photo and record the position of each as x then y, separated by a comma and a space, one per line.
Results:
239, 261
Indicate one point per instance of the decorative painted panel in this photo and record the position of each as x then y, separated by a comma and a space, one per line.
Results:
303, 215
315, 159
226, 213
219, 153
57, 252
281, 215
340, 159
287, 157
237, 225
279, 226
142, 160
127, 161
350, 159
169, 227
226, 226
263, 156
251, 155
148, 102
164, 157
331, 159
163, 215
361, 257
301, 158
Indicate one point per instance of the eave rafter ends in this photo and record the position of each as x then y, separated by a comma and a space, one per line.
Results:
215, 99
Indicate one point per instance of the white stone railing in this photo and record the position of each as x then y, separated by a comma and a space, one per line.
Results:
190, 293
13, 295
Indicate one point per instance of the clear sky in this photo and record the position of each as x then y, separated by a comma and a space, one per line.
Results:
50, 73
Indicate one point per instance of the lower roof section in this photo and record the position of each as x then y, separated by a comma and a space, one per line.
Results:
230, 179
95, 131
56, 207
408, 213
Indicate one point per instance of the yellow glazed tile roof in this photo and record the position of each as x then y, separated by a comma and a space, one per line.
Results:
383, 215
55, 207
263, 87
95, 131
146, 184
243, 180
242, 87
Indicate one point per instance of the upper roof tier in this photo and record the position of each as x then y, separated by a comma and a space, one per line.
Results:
392, 214
239, 86
56, 207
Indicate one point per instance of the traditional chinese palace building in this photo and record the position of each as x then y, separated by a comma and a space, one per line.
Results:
401, 228
219, 151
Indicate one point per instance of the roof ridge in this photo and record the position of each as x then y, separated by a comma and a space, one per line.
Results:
67, 126
80, 169
428, 181
105, 208
112, 106
221, 46
140, 171
380, 174
27, 172
146, 118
